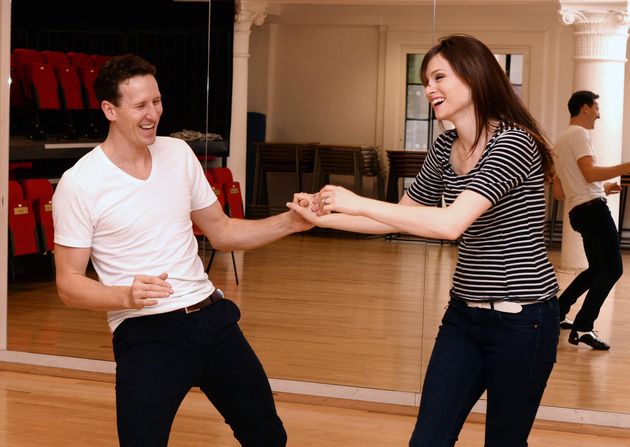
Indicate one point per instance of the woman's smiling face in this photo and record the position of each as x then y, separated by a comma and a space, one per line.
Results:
447, 93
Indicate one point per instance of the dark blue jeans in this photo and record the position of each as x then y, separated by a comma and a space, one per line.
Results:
603, 253
161, 357
508, 355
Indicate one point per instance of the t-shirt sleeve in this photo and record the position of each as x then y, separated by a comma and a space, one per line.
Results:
72, 215
506, 166
202, 194
581, 144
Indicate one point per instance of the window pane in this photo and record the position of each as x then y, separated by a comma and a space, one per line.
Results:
501, 59
416, 135
413, 68
516, 69
417, 104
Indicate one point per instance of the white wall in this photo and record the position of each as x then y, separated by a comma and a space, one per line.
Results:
324, 87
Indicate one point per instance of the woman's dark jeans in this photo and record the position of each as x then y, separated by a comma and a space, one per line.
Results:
508, 355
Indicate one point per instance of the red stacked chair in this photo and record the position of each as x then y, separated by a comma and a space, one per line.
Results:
48, 118
22, 229
40, 191
22, 95
79, 59
217, 178
21, 58
87, 75
98, 60
234, 200
55, 57
70, 93
222, 179
17, 93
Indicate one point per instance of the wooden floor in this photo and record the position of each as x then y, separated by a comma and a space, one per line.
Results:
357, 312
46, 411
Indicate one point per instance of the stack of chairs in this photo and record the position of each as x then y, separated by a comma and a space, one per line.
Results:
23, 238
39, 100
402, 165
295, 158
31, 230
356, 161
40, 192
54, 91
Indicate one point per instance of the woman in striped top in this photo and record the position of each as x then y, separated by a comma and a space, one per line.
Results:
500, 330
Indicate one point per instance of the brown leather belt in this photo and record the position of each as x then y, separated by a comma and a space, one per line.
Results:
215, 296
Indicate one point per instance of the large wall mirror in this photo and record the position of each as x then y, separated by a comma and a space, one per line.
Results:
354, 312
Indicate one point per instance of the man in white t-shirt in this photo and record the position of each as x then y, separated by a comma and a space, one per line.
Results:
580, 181
129, 205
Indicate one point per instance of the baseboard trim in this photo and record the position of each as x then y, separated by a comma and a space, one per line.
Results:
386, 401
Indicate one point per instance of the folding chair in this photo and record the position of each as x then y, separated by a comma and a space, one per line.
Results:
40, 191
22, 228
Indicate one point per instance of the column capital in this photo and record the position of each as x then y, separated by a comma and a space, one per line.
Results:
250, 12
600, 28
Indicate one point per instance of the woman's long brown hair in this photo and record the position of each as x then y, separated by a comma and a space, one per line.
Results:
492, 94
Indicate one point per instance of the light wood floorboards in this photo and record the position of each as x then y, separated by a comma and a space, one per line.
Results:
46, 411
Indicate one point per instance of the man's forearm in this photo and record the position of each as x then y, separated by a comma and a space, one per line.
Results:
603, 173
246, 234
79, 291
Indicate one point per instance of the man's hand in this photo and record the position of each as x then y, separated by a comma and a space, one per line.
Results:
612, 188
303, 205
301, 201
145, 290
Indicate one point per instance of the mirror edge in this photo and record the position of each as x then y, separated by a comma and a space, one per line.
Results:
5, 48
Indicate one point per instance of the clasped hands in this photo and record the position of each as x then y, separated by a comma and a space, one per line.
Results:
330, 199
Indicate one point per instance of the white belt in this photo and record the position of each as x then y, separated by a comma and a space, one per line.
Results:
509, 307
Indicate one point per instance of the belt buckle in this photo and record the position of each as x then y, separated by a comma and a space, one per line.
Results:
188, 310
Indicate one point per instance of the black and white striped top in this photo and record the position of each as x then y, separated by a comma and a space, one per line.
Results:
502, 255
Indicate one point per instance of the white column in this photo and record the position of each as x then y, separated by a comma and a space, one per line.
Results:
600, 34
247, 13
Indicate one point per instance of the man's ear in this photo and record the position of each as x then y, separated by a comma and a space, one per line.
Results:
109, 110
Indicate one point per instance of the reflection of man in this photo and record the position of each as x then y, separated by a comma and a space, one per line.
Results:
128, 205
579, 180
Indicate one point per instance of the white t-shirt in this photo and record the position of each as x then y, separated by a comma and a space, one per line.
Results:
573, 144
137, 226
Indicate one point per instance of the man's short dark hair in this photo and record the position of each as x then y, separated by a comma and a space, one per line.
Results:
116, 71
580, 99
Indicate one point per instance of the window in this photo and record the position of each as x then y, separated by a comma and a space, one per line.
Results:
421, 127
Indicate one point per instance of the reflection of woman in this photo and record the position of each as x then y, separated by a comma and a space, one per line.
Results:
500, 330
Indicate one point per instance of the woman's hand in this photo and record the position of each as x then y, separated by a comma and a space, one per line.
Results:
338, 199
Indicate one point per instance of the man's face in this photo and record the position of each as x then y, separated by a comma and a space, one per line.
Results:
591, 114
139, 109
